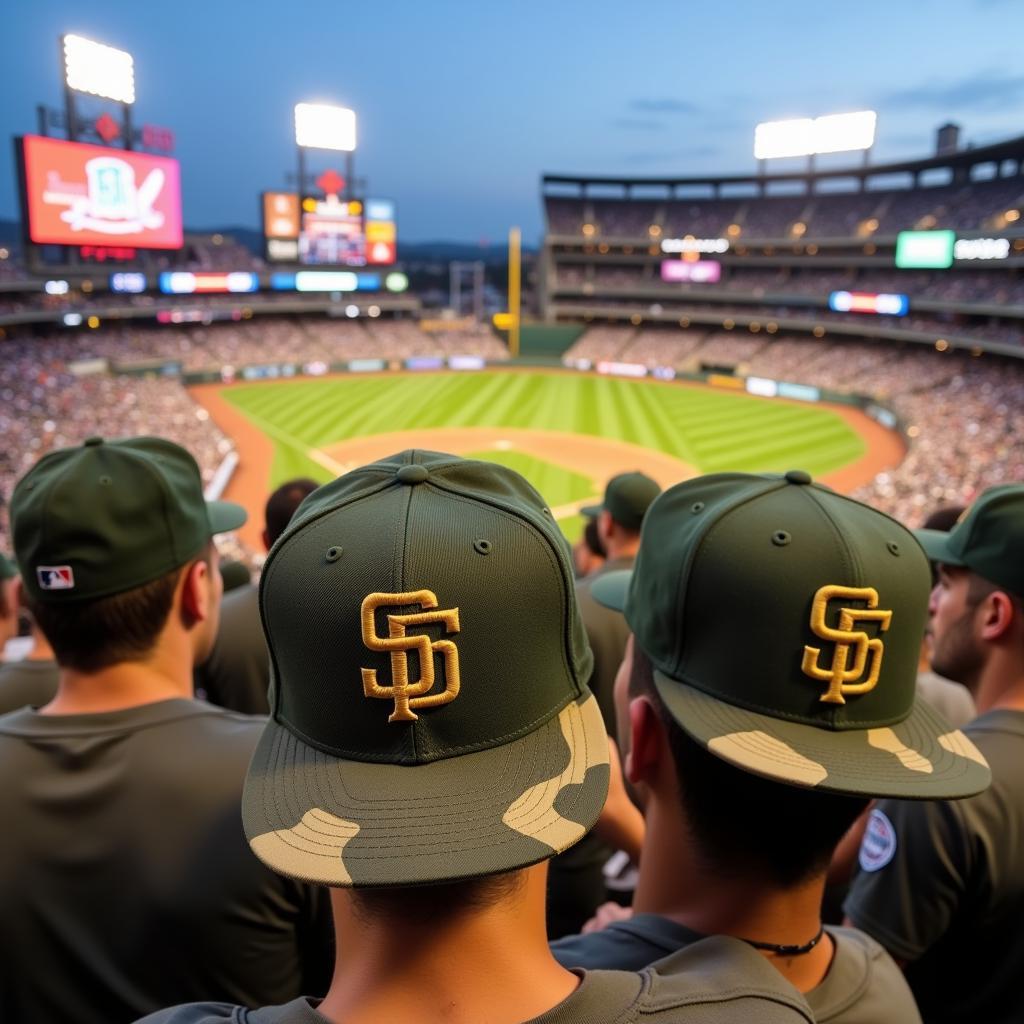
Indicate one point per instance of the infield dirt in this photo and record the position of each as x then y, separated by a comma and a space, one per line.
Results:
597, 458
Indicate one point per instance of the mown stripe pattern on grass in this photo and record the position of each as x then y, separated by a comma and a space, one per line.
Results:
710, 429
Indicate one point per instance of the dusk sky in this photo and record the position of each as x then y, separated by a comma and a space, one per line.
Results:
463, 105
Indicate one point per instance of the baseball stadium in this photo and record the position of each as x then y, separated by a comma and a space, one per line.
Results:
772, 414
870, 336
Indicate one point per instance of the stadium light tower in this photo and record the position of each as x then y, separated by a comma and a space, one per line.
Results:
325, 126
99, 70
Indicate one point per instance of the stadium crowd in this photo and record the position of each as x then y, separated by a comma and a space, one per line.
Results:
967, 207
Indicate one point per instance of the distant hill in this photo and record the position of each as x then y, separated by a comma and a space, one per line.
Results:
409, 252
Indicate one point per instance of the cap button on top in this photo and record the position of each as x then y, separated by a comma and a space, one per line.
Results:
798, 476
93, 442
412, 474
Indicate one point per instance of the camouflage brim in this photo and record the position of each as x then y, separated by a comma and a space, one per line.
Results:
336, 822
922, 757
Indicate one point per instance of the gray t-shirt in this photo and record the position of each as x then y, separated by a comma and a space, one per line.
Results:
942, 886
863, 985
25, 684
718, 981
126, 883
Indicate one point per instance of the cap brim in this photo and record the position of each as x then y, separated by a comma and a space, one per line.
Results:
225, 516
936, 546
612, 588
922, 757
318, 818
591, 511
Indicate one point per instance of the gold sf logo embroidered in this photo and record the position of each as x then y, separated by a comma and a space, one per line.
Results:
841, 675
408, 695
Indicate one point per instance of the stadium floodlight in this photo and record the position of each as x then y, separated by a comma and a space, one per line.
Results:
323, 126
98, 69
805, 136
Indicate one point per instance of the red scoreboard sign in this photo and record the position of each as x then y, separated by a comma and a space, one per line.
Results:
77, 194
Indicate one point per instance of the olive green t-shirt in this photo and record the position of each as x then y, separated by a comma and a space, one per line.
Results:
27, 684
863, 985
941, 885
717, 981
126, 883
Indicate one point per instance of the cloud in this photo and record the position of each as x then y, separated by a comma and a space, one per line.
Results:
662, 105
639, 124
985, 91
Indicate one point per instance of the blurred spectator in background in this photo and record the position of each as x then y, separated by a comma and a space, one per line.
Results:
8, 601
588, 553
576, 886
237, 673
30, 681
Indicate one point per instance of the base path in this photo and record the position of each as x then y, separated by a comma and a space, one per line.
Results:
595, 457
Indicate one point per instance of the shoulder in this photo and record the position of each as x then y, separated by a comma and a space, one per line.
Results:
198, 1013
862, 984
721, 979
298, 1011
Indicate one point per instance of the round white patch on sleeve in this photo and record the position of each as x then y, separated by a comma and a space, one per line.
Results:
878, 846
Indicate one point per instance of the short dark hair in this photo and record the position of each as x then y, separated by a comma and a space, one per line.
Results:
592, 539
424, 905
281, 505
93, 635
744, 825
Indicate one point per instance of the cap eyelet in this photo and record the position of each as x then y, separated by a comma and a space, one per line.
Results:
697, 506
894, 548
334, 553
482, 546
106, 481
780, 538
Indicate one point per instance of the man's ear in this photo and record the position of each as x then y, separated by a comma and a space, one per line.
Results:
997, 613
265, 537
647, 742
196, 598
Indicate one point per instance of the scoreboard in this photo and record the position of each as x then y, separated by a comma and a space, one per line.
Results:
329, 231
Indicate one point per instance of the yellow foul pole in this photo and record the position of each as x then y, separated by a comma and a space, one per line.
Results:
514, 270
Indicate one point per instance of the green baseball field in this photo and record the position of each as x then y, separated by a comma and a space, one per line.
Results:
566, 432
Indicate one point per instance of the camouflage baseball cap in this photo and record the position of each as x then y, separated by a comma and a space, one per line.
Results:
430, 718
627, 498
109, 516
988, 539
784, 623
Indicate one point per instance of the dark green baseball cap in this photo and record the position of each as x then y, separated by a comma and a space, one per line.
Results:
627, 498
109, 516
988, 539
784, 623
430, 718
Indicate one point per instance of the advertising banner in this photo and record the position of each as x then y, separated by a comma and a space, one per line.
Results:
78, 194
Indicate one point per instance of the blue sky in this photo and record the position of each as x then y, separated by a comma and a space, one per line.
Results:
463, 105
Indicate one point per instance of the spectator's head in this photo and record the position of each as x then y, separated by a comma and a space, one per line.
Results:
588, 553
114, 539
620, 516
8, 601
977, 606
281, 506
430, 720
776, 630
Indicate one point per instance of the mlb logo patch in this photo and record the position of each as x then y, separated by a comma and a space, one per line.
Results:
55, 577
